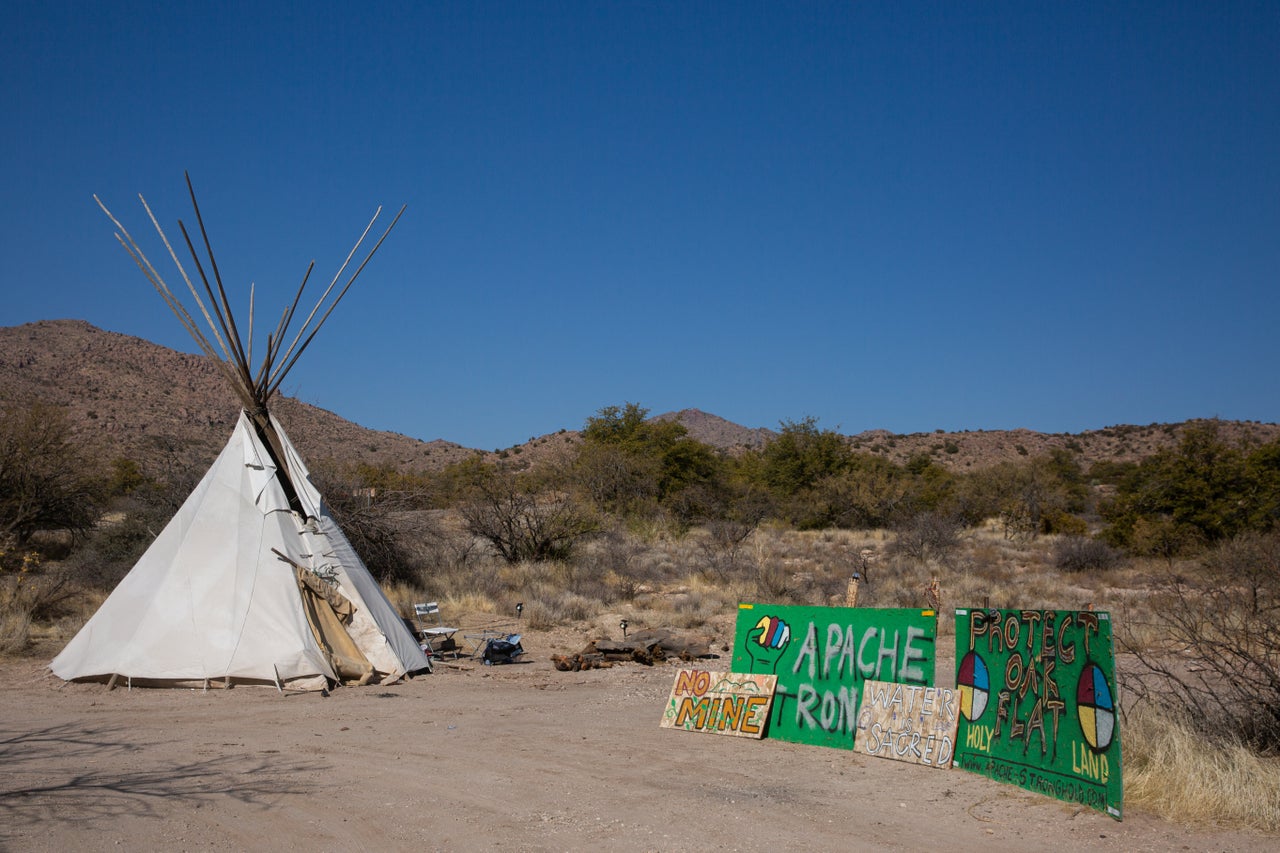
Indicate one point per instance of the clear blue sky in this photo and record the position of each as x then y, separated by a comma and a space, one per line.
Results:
910, 216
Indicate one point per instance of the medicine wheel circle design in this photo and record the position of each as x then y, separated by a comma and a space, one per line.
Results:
975, 686
1096, 708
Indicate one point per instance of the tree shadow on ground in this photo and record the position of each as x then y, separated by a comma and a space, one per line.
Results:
76, 775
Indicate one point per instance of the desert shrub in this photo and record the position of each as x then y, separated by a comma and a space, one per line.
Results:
720, 549
1218, 661
926, 537
773, 583
47, 479
27, 597
443, 550
1029, 496
15, 628
1082, 554
618, 560
523, 518
386, 527
1063, 523
1177, 499
699, 606
548, 607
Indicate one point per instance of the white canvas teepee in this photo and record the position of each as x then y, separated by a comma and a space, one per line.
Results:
251, 581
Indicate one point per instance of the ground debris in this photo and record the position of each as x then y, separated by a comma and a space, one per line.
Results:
646, 647
578, 662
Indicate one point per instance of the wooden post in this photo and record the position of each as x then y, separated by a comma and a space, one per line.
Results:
851, 593
933, 594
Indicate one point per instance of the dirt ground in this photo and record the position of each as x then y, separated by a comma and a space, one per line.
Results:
518, 757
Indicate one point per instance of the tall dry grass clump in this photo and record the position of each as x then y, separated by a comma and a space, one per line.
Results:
15, 626
1175, 772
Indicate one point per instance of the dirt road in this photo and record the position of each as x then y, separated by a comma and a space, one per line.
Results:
518, 757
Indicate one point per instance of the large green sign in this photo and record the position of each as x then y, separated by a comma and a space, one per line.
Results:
1038, 702
822, 655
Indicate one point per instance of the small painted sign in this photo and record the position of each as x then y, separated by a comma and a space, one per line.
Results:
725, 703
1038, 703
908, 722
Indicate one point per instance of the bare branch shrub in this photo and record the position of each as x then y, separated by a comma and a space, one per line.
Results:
927, 537
47, 480
30, 596
618, 559
523, 521
380, 529
1219, 662
442, 548
721, 546
773, 583
1082, 554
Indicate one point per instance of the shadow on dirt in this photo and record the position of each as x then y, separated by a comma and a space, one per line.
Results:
75, 775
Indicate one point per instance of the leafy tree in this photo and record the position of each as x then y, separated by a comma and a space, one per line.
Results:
1203, 491
801, 455
629, 463
615, 479
1031, 496
871, 493
1262, 487
624, 426
936, 489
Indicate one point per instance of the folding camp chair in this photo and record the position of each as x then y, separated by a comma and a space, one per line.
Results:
438, 636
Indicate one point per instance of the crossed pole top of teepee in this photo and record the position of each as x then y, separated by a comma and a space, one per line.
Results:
255, 388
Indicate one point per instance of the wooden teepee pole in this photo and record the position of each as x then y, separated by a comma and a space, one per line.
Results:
230, 352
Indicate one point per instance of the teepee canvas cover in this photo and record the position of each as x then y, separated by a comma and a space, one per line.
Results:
214, 597
251, 581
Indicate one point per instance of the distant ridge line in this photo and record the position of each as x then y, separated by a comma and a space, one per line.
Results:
132, 395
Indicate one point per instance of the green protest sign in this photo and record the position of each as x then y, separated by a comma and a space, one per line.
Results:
822, 655
1038, 702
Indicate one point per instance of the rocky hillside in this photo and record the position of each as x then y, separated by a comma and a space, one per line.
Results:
718, 432
973, 449
134, 397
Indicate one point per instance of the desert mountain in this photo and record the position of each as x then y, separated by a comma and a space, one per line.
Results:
718, 432
135, 397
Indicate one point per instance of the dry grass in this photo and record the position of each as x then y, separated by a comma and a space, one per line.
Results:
27, 595
687, 581
1174, 772
15, 630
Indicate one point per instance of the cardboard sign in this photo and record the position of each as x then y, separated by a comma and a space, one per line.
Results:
822, 655
907, 722
727, 703
1038, 703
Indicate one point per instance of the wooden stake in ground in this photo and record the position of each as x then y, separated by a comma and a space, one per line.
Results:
851, 593
933, 594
